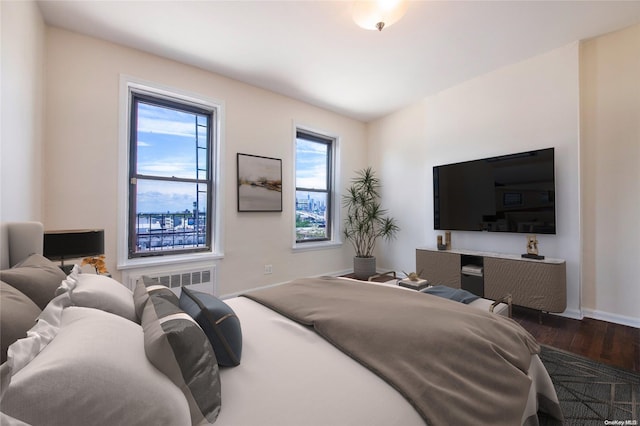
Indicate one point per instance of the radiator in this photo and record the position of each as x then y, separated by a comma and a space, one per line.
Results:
195, 278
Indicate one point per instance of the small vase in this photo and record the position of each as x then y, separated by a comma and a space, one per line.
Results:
364, 267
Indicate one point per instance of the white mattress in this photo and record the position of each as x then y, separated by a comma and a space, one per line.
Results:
289, 375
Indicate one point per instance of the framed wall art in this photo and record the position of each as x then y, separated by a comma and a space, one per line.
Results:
259, 184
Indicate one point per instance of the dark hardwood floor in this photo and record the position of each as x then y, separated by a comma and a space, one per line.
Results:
605, 342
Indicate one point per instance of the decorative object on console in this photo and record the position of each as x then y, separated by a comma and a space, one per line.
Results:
366, 221
446, 244
72, 244
532, 248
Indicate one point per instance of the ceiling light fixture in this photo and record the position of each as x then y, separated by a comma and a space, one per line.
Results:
378, 14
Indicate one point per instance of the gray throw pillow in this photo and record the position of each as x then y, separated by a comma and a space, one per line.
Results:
146, 286
178, 347
455, 294
37, 277
218, 321
17, 316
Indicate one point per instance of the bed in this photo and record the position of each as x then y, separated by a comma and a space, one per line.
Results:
149, 357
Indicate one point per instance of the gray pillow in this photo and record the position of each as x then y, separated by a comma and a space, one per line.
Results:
178, 347
219, 323
94, 372
146, 286
17, 316
455, 294
100, 292
37, 277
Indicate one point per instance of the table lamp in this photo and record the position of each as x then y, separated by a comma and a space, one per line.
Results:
72, 244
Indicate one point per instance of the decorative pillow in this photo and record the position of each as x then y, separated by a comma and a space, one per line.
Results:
146, 286
22, 351
17, 316
456, 294
100, 292
37, 277
219, 322
94, 372
177, 346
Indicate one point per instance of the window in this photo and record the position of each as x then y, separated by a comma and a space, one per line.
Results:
314, 186
171, 187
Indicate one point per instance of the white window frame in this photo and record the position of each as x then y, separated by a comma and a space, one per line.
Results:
127, 84
335, 239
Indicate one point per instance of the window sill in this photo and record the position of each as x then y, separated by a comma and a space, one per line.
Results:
320, 245
168, 260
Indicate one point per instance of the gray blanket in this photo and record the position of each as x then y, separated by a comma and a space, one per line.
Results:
453, 363
457, 294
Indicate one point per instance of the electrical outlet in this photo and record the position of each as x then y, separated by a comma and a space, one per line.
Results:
268, 269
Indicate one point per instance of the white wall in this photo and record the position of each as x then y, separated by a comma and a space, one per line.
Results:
610, 126
21, 148
82, 84
528, 105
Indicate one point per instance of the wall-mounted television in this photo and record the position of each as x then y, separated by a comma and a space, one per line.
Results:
509, 193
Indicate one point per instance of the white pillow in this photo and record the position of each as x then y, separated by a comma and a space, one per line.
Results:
100, 292
22, 351
94, 372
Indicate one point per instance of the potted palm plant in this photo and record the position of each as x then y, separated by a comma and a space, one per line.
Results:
366, 221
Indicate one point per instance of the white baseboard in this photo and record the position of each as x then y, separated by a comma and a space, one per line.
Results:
571, 313
609, 317
599, 315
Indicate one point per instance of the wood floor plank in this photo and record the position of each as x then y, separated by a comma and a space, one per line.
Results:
605, 342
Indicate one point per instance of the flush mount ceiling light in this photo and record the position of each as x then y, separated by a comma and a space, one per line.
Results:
378, 14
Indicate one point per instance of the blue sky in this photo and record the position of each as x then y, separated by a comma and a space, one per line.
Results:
167, 147
311, 165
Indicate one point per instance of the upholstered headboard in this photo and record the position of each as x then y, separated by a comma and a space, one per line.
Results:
18, 240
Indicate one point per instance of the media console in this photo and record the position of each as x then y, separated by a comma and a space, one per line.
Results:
536, 284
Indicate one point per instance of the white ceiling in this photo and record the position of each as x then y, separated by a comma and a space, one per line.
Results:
313, 51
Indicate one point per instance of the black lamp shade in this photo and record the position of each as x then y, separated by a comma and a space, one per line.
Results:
72, 244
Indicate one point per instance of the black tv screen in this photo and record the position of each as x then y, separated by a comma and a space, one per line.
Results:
510, 193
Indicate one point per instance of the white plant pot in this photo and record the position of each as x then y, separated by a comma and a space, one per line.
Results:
364, 267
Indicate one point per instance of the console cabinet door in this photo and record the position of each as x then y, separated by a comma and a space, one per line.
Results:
536, 285
439, 268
